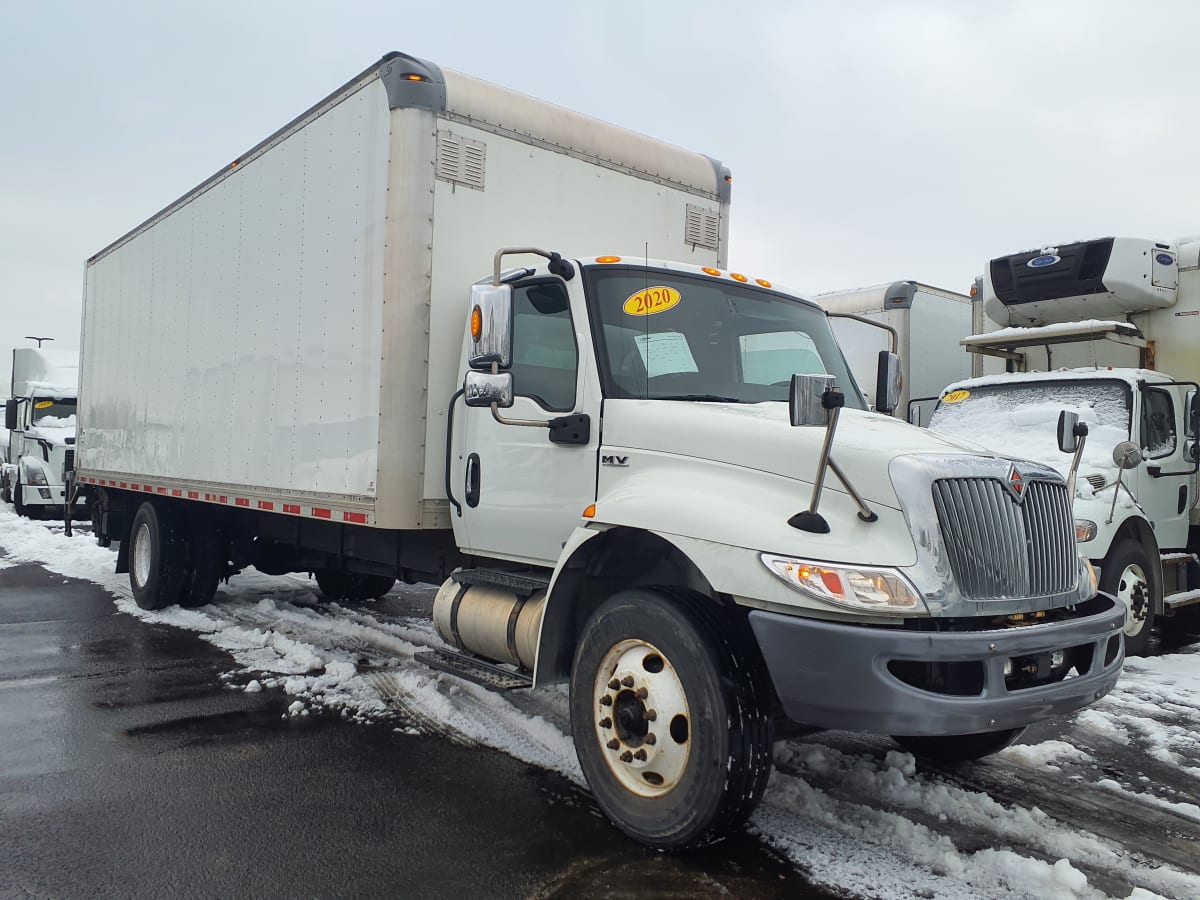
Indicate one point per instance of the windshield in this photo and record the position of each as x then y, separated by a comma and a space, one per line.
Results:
54, 413
1021, 418
669, 336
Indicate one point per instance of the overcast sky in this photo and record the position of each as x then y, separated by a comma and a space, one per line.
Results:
869, 141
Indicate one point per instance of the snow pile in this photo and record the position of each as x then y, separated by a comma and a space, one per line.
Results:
1054, 329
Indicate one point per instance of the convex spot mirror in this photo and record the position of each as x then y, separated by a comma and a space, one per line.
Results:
1127, 455
484, 389
805, 400
490, 326
1070, 430
888, 382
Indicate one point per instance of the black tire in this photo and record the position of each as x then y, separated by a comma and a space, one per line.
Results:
19, 503
1127, 573
5, 490
208, 555
949, 748
336, 585
157, 558
726, 734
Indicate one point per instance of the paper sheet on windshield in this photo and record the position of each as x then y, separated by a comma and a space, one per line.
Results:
665, 353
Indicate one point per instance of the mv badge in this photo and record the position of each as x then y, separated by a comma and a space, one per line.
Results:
609, 459
1015, 483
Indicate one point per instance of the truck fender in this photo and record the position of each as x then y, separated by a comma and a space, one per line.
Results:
1135, 527
598, 560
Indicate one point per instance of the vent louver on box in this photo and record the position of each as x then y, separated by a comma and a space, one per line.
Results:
702, 228
461, 160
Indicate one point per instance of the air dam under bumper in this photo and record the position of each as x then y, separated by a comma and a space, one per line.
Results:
833, 675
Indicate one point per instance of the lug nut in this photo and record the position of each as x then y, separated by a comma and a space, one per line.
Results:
641, 693
606, 723
606, 700
626, 757
650, 715
614, 744
627, 681
614, 684
640, 755
650, 739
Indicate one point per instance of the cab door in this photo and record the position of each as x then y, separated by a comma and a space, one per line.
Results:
524, 487
1165, 477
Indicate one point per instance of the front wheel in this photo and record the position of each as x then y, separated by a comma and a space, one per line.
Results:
671, 723
958, 747
19, 502
1125, 574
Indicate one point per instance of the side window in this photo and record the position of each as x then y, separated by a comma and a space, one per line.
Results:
1158, 424
545, 358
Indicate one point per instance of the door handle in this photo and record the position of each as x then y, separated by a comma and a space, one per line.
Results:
473, 480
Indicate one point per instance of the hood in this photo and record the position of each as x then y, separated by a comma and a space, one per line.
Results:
760, 436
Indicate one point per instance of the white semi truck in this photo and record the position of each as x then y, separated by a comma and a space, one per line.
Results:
1113, 324
591, 449
917, 321
40, 419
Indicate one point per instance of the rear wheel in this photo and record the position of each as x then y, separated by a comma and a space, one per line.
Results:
959, 747
157, 565
670, 720
336, 585
1125, 574
207, 558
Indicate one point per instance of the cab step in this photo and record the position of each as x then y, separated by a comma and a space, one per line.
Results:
471, 668
1182, 599
522, 584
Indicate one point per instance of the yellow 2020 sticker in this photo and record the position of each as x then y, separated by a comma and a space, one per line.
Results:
43, 404
652, 300
956, 396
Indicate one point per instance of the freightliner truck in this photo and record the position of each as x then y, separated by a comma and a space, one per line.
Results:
1110, 330
40, 420
425, 332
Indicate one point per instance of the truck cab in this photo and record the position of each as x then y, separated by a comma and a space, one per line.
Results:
1108, 312
40, 420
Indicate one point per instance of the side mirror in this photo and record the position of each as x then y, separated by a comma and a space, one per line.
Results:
10, 414
1127, 455
484, 389
491, 327
806, 400
1193, 415
1070, 430
887, 383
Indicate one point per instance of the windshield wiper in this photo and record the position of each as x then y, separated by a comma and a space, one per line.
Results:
702, 398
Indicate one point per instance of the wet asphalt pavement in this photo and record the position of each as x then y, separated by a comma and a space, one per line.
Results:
127, 770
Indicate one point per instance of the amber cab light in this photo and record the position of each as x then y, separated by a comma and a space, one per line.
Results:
762, 282
708, 270
476, 323
608, 259
737, 276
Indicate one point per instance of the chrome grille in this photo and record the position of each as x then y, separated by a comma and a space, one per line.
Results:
999, 548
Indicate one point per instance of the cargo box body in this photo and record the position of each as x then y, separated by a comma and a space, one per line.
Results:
287, 336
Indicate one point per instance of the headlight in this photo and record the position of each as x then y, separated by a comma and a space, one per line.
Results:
883, 591
34, 475
1085, 530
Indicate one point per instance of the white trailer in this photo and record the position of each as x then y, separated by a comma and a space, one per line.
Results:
39, 418
923, 324
1115, 322
325, 359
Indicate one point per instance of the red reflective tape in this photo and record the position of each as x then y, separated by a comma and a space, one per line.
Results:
266, 504
162, 490
148, 488
123, 484
360, 518
322, 513
176, 492
291, 508
132, 487
221, 498
241, 501
193, 495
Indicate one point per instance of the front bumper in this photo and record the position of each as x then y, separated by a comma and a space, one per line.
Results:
834, 675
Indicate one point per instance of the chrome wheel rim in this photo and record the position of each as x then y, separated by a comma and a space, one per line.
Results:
1133, 589
642, 719
141, 555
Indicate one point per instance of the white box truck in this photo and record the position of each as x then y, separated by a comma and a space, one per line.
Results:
1110, 330
922, 323
343, 354
40, 420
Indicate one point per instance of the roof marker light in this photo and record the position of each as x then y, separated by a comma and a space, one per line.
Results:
608, 259
762, 282
709, 270
737, 276
413, 76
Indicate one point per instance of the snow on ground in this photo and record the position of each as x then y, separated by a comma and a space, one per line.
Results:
1107, 808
